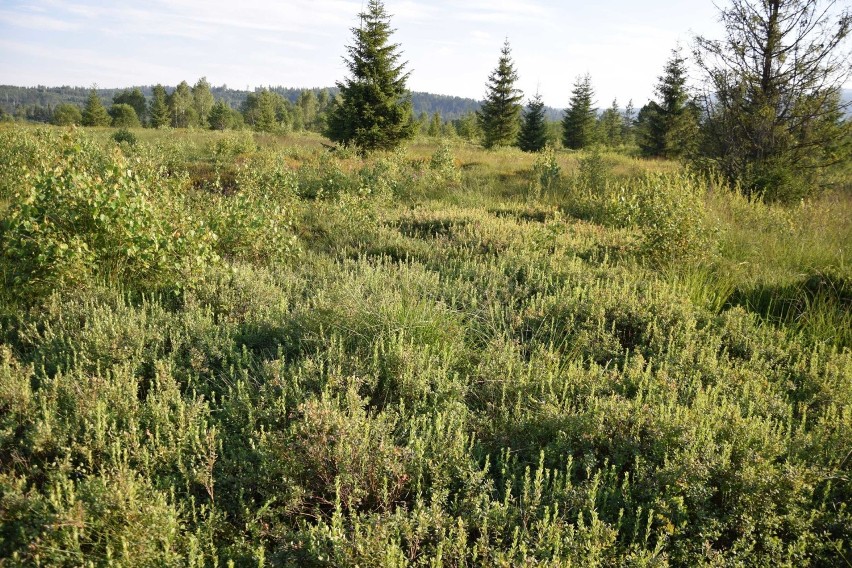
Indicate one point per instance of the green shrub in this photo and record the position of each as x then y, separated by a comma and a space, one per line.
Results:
670, 210
547, 173
89, 214
123, 135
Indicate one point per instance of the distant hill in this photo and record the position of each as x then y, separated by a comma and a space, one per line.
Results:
36, 103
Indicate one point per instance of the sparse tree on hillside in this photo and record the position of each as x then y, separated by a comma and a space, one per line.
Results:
773, 118
134, 98
124, 116
374, 111
499, 116
66, 114
578, 124
159, 108
533, 135
95, 114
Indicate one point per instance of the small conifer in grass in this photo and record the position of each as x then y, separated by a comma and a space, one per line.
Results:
94, 113
533, 136
499, 116
579, 122
374, 108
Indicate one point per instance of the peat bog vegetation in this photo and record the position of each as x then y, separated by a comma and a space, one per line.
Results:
232, 348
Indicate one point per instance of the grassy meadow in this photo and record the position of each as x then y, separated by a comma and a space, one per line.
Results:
231, 349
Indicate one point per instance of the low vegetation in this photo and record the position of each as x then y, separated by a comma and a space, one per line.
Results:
233, 348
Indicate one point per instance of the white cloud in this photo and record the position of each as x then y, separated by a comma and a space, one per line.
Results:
35, 21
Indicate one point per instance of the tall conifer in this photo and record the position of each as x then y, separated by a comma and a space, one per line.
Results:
499, 116
578, 124
671, 128
374, 109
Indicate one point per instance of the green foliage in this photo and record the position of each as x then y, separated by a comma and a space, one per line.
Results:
87, 213
182, 111
202, 101
774, 123
135, 99
373, 111
533, 134
443, 164
125, 136
265, 111
67, 114
611, 126
499, 116
94, 113
123, 116
578, 124
670, 127
547, 173
159, 108
220, 116
408, 359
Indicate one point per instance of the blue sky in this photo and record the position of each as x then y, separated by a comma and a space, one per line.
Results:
451, 46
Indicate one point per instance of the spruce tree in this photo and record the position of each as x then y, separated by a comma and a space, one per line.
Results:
533, 135
374, 109
499, 116
611, 125
94, 113
628, 124
578, 124
159, 109
435, 124
671, 130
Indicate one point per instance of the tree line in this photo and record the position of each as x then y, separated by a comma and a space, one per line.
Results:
196, 107
769, 116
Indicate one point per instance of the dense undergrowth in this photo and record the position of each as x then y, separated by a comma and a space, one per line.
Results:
220, 348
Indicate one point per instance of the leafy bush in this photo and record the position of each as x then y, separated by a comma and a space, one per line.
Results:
546, 172
670, 210
89, 214
443, 165
123, 135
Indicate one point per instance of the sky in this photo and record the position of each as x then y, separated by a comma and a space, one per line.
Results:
451, 45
